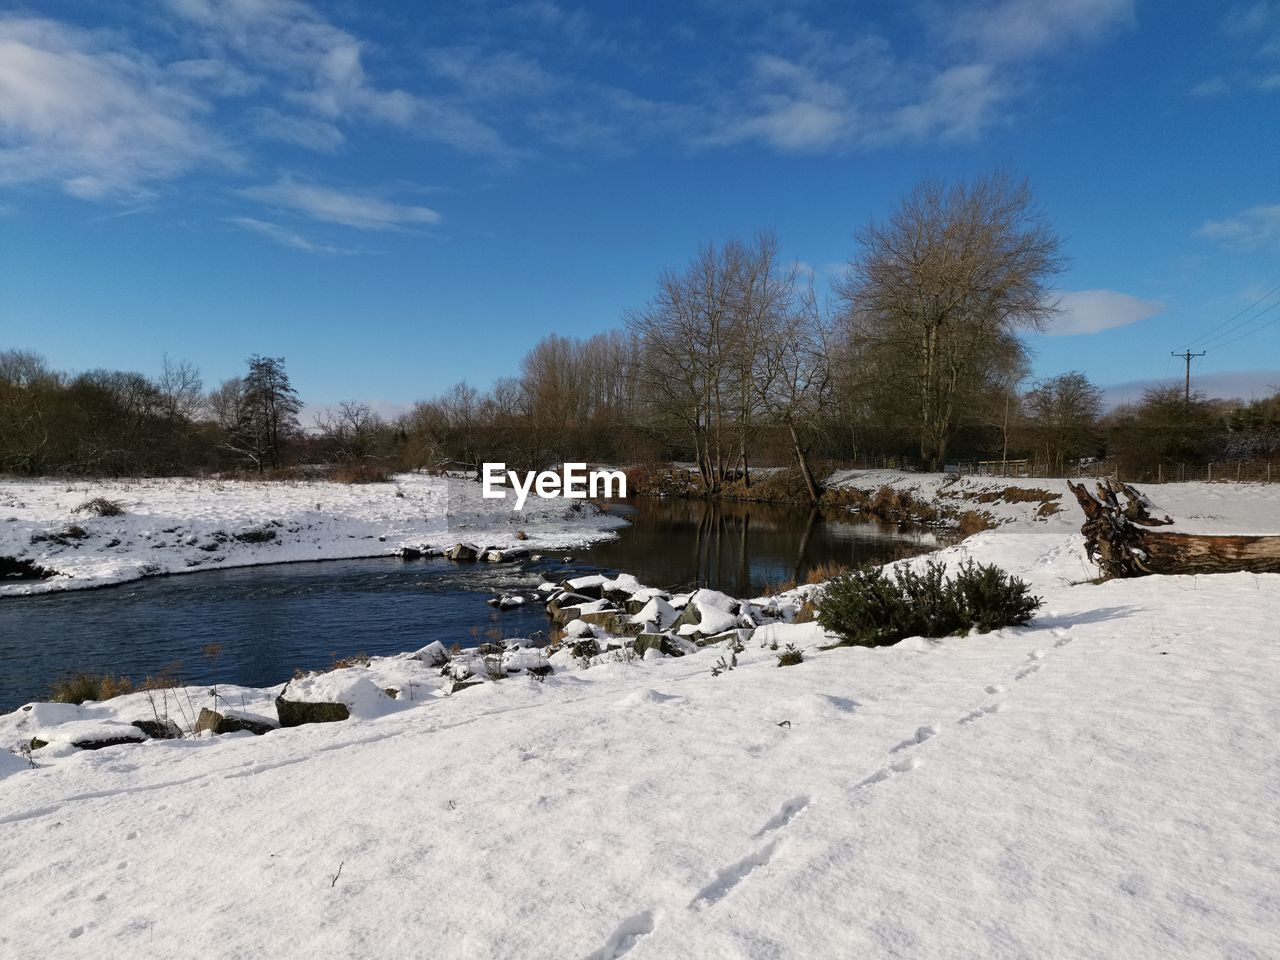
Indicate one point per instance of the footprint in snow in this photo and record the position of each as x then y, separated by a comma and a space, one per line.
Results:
892, 770
1026, 671
786, 813
921, 735
131, 835
75, 932
995, 688
981, 712
1063, 642
625, 936
729, 877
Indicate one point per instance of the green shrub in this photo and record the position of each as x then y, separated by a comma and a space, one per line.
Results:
988, 598
871, 608
791, 656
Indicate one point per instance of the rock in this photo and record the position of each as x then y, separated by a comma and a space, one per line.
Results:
656, 641
294, 713
463, 552
433, 654
233, 722
159, 729
592, 586
658, 612
614, 621
410, 553
464, 684
88, 734
737, 636
585, 649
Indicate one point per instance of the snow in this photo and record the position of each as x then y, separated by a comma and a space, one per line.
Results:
185, 525
1102, 783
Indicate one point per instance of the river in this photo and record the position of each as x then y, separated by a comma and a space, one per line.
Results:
256, 625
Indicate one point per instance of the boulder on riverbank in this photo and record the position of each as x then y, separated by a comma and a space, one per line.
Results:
232, 721
330, 697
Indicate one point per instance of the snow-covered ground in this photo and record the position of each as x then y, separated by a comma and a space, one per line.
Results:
1103, 783
183, 525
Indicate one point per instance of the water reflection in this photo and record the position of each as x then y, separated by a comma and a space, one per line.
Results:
741, 548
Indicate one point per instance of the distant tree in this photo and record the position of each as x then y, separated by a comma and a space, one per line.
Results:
1062, 418
259, 412
1165, 427
939, 293
29, 395
351, 429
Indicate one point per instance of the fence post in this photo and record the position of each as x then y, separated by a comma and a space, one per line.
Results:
1159, 473
1210, 473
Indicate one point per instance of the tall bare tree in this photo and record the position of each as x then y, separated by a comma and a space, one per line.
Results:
939, 292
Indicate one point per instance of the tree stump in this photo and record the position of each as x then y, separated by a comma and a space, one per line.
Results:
1117, 540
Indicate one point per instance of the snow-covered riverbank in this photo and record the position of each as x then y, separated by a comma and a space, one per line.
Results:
183, 525
1102, 783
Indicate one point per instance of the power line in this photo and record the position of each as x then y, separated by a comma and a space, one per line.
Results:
1247, 333
1208, 333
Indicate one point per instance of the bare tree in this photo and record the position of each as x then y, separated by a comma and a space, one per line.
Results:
352, 430
940, 291
794, 379
1062, 418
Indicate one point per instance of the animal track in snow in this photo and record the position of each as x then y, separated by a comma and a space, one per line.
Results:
75, 932
892, 770
729, 877
921, 735
625, 936
995, 688
1063, 642
786, 813
981, 712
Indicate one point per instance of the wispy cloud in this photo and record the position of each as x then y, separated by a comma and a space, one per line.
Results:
96, 117
1092, 311
1252, 229
284, 236
1007, 30
319, 68
309, 132
351, 209
1213, 87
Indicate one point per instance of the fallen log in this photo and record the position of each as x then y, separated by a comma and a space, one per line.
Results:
1117, 541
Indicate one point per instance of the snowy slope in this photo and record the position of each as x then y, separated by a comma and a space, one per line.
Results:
1212, 508
183, 525
1101, 784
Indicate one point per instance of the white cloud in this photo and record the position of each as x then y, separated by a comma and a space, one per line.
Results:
283, 235
359, 210
1213, 87
1092, 311
320, 67
100, 119
1254, 228
1007, 30
309, 132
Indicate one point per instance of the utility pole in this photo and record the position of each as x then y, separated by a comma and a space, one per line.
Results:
1187, 357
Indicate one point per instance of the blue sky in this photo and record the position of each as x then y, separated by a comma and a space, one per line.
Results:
395, 196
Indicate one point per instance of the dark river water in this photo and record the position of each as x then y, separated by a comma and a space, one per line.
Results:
269, 621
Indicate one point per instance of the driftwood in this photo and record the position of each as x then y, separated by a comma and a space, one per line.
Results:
1117, 540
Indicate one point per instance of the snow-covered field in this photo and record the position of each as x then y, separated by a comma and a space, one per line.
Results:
182, 525
1103, 783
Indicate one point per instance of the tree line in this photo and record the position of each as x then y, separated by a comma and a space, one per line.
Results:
736, 360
